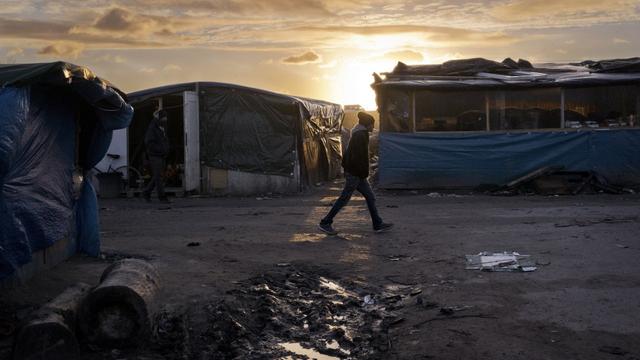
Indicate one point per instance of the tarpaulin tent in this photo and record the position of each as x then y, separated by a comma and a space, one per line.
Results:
251, 130
471, 122
56, 121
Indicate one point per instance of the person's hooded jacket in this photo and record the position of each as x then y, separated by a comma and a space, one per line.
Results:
356, 159
156, 141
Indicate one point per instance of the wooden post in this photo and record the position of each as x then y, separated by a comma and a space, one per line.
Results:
413, 110
562, 108
487, 109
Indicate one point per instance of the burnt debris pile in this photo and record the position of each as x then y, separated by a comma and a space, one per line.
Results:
293, 314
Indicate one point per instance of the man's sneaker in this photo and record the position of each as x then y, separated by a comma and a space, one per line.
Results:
327, 229
384, 227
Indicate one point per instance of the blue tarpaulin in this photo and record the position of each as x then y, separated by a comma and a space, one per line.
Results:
449, 160
54, 119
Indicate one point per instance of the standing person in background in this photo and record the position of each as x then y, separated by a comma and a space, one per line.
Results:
157, 147
356, 170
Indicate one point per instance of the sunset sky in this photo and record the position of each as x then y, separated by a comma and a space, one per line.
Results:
325, 49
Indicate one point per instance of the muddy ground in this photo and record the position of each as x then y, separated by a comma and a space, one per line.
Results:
259, 281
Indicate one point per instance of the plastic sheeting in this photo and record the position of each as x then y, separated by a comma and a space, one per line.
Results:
247, 131
259, 131
487, 74
429, 160
53, 118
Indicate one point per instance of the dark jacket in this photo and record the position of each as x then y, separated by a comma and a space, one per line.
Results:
356, 159
156, 141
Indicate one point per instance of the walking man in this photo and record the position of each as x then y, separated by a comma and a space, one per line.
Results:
356, 170
157, 146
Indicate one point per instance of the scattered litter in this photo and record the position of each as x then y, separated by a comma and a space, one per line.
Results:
392, 206
283, 264
193, 244
614, 350
416, 291
260, 198
622, 246
368, 300
504, 261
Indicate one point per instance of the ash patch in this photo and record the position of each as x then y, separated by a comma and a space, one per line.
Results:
294, 314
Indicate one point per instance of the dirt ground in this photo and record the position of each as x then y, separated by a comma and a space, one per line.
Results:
583, 301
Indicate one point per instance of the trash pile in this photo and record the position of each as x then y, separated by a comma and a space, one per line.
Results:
504, 261
292, 314
555, 180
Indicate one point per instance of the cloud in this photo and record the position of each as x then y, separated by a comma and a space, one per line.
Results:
242, 7
147, 70
563, 12
14, 52
329, 65
433, 33
61, 50
405, 56
172, 67
108, 58
620, 41
306, 58
45, 31
118, 19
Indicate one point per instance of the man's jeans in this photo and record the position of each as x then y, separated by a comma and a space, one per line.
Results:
352, 184
157, 165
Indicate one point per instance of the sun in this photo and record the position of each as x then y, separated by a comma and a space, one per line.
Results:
354, 76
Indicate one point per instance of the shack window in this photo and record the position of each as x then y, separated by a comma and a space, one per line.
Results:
450, 111
604, 106
396, 115
525, 109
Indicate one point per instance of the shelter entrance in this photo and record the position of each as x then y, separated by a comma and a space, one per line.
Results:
180, 175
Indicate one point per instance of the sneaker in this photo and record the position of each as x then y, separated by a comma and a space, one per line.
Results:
146, 197
327, 229
384, 227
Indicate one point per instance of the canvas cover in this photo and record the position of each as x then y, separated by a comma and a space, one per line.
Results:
467, 160
53, 117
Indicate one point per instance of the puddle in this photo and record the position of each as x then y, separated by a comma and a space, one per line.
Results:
297, 349
328, 284
332, 344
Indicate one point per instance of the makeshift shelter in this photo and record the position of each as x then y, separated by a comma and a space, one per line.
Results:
56, 121
473, 122
236, 140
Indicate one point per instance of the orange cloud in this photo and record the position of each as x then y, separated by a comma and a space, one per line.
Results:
61, 49
567, 10
306, 58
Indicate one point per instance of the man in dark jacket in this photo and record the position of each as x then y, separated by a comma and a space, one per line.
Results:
157, 146
356, 170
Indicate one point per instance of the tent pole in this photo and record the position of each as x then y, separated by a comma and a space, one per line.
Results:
562, 108
486, 109
413, 110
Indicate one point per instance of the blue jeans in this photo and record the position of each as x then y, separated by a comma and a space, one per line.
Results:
352, 184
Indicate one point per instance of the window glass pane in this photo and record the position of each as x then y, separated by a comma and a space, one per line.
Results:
396, 116
524, 109
604, 106
450, 111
